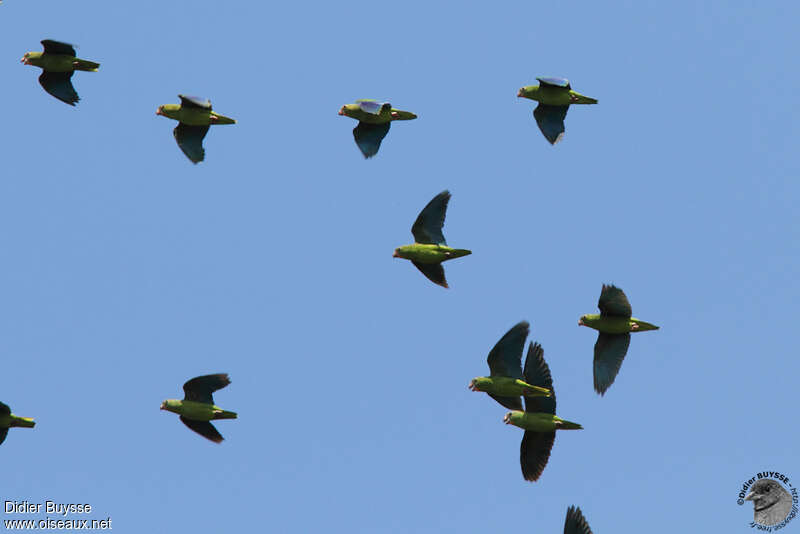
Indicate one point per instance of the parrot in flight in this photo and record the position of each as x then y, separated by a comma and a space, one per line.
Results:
58, 62
197, 408
194, 116
9, 420
430, 249
539, 420
504, 383
554, 96
614, 324
374, 119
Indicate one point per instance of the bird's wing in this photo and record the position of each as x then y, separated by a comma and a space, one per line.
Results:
613, 302
554, 81
4, 409
505, 358
59, 85
609, 351
433, 272
537, 373
57, 47
194, 102
373, 107
430, 221
190, 139
534, 451
204, 428
3, 434
199, 389
575, 522
369, 136
551, 121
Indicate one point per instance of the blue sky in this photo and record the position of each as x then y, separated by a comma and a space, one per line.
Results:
127, 270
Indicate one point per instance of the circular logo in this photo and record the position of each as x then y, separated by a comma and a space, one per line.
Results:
775, 501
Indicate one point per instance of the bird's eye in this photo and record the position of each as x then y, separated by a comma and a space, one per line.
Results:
767, 489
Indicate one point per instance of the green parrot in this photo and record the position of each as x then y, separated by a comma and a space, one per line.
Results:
575, 523
194, 116
504, 383
430, 249
539, 420
374, 119
614, 324
554, 96
58, 62
197, 407
9, 420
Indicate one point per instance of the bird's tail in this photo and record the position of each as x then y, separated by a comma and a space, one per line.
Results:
26, 422
225, 414
82, 64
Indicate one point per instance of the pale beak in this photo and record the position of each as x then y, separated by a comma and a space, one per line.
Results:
519, 94
158, 111
749, 497
580, 322
163, 406
395, 255
341, 111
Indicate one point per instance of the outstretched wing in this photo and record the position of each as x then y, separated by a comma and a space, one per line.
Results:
537, 373
204, 428
433, 272
613, 302
534, 452
195, 102
505, 358
373, 107
4, 409
57, 47
554, 81
369, 136
430, 221
199, 389
3, 434
551, 121
190, 139
59, 85
609, 351
575, 523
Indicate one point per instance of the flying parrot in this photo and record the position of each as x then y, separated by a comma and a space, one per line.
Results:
554, 96
430, 249
539, 420
197, 407
504, 383
374, 119
58, 62
575, 523
614, 324
194, 116
9, 420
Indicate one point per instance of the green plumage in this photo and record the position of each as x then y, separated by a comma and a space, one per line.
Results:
374, 120
9, 420
197, 407
504, 383
58, 63
614, 324
195, 116
554, 95
430, 248
539, 420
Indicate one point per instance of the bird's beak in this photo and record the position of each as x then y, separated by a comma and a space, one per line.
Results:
163, 406
580, 322
341, 110
471, 386
395, 254
24, 60
750, 496
158, 111
519, 93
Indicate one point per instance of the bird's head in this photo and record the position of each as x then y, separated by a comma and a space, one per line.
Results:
478, 384
169, 110
507, 417
765, 493
582, 321
350, 110
171, 405
529, 91
30, 58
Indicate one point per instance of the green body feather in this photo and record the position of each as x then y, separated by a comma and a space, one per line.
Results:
539, 422
554, 96
504, 386
613, 324
355, 112
193, 116
59, 62
198, 411
429, 253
